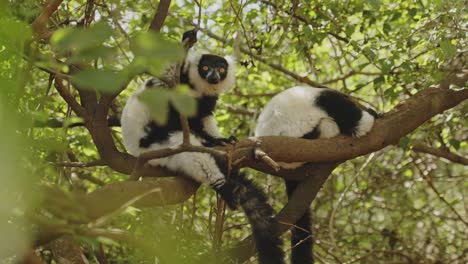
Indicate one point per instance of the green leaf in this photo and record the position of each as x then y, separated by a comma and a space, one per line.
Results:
386, 65
404, 142
184, 104
157, 100
104, 81
368, 52
89, 54
155, 52
13, 34
77, 39
386, 28
379, 80
455, 143
448, 48
375, 4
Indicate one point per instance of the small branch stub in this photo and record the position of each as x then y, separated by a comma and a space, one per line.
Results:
261, 155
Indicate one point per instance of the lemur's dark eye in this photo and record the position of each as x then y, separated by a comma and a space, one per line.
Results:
222, 70
205, 68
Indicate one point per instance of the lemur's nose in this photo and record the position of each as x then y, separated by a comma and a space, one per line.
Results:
213, 76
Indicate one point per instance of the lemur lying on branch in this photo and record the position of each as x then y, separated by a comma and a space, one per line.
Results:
311, 113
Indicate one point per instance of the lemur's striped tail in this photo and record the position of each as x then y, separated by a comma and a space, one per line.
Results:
239, 190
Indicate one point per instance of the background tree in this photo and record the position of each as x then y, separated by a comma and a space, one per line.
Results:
67, 67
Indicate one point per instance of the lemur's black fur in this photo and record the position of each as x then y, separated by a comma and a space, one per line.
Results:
235, 190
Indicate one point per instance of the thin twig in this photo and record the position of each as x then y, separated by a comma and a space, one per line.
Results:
94, 163
441, 153
199, 4
185, 129
349, 74
341, 198
428, 179
112, 121
295, 76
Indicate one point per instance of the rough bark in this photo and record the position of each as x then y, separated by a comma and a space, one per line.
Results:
110, 197
66, 251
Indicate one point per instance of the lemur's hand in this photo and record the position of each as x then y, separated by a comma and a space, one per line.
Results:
189, 38
221, 141
225, 141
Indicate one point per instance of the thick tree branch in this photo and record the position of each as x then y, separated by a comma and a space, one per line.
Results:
111, 197
40, 23
160, 16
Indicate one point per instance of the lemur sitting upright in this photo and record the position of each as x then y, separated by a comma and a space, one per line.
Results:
311, 113
207, 75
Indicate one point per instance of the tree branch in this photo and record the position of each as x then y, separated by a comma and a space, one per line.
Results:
160, 16
441, 153
388, 130
301, 199
112, 121
40, 23
111, 197
431, 101
68, 97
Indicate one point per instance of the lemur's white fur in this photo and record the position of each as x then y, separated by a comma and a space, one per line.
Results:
199, 166
365, 124
135, 116
203, 87
211, 126
293, 113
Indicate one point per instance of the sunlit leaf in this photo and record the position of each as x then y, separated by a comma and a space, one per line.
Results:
157, 101
9, 34
78, 39
104, 81
184, 103
448, 48
155, 52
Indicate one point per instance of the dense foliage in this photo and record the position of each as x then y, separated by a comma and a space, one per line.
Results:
397, 205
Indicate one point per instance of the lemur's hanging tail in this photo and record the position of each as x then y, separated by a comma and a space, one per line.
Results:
301, 234
239, 190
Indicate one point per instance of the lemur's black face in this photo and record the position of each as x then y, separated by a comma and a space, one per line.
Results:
212, 68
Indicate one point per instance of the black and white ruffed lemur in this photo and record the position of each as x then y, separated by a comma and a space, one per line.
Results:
310, 113
207, 75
